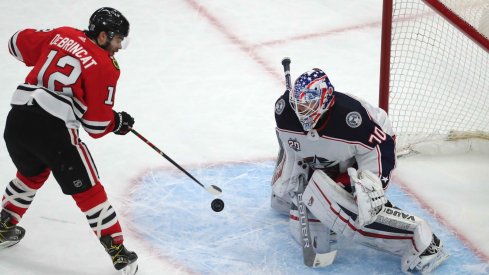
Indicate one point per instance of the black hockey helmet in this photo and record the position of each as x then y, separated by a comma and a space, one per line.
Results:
109, 20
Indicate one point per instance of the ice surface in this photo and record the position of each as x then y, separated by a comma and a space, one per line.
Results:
248, 237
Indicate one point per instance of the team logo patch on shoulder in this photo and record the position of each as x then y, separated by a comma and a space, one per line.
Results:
279, 106
353, 119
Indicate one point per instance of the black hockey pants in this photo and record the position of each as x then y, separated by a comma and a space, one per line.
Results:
37, 140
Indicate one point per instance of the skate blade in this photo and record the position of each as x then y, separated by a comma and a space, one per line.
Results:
7, 244
440, 258
130, 269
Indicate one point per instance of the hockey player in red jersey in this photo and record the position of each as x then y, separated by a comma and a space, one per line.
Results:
72, 83
345, 148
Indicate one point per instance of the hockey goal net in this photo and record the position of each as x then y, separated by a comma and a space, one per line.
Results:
434, 79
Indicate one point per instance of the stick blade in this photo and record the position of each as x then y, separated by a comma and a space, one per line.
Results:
214, 190
318, 260
324, 259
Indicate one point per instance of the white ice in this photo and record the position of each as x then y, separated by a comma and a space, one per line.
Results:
201, 78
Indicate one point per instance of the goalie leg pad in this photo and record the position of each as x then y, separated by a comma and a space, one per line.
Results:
426, 252
279, 204
393, 230
321, 236
331, 204
284, 186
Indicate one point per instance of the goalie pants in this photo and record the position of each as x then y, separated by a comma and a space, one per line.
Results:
38, 144
394, 230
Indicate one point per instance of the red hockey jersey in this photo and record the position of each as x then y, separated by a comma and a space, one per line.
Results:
72, 78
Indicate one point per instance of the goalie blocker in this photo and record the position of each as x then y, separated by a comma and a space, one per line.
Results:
391, 229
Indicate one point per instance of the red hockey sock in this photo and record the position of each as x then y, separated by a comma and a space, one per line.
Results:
100, 214
20, 193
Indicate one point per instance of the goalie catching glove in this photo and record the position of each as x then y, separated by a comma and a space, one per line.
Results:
369, 195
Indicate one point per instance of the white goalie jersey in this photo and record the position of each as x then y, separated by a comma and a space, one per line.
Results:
352, 133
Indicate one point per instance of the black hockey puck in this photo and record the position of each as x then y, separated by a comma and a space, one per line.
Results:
217, 205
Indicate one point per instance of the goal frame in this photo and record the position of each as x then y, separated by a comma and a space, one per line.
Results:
385, 54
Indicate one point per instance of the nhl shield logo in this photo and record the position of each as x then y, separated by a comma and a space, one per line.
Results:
353, 119
279, 106
77, 183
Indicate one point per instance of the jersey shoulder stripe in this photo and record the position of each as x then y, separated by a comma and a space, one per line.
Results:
13, 49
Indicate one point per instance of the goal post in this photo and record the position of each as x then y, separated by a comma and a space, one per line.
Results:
434, 73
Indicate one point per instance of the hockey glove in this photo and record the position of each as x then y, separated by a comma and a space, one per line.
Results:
369, 195
123, 123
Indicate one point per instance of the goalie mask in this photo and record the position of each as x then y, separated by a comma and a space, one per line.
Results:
311, 97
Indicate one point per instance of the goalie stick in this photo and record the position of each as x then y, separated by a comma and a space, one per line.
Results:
214, 190
286, 65
311, 257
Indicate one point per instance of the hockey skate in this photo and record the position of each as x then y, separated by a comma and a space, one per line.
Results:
428, 260
10, 234
123, 259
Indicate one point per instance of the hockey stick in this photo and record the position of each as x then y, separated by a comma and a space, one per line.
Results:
311, 258
286, 64
214, 190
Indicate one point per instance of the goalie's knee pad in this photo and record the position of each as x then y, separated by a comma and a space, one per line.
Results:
393, 230
322, 237
330, 203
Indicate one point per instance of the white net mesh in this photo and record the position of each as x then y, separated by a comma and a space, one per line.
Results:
439, 78
475, 12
